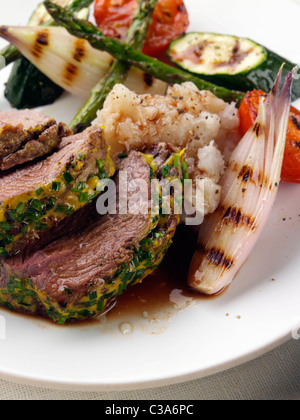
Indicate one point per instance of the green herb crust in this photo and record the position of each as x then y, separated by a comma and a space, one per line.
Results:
22, 296
22, 217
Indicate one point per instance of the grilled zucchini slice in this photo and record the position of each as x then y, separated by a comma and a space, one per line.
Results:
236, 63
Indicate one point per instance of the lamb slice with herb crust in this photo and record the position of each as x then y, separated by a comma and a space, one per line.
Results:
27, 135
79, 275
39, 196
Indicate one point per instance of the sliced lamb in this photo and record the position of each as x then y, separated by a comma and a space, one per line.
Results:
80, 274
27, 135
40, 195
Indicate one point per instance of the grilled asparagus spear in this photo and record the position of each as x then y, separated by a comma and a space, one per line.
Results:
119, 70
71, 62
124, 52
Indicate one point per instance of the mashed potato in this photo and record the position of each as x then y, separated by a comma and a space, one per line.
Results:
185, 117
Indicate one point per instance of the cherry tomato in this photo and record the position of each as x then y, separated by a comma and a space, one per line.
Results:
170, 20
248, 110
291, 163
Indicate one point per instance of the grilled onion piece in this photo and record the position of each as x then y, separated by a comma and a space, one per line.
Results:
250, 186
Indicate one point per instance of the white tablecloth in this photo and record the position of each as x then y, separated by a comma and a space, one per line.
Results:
275, 376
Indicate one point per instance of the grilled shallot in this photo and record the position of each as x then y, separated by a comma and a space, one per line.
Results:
71, 62
250, 186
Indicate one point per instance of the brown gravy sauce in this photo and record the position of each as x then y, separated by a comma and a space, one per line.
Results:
158, 291
150, 306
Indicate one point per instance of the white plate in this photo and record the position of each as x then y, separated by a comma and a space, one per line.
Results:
201, 340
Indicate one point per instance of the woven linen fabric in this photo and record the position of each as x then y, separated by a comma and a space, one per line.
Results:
274, 376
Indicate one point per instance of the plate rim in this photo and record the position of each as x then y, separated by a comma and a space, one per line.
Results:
86, 386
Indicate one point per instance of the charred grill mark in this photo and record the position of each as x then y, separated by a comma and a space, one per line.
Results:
43, 38
232, 215
235, 216
37, 50
70, 73
258, 129
71, 69
41, 41
200, 48
79, 52
237, 56
246, 173
296, 122
148, 79
216, 257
